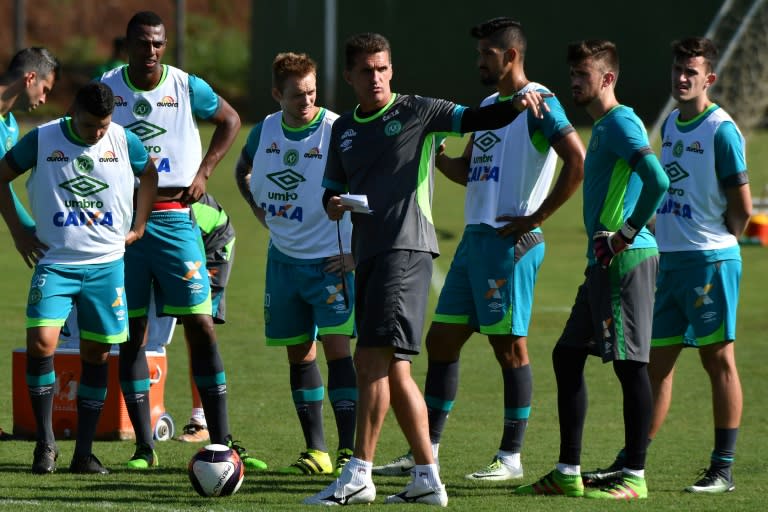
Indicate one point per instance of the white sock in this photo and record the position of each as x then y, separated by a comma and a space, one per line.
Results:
510, 459
426, 475
568, 469
435, 450
198, 416
357, 472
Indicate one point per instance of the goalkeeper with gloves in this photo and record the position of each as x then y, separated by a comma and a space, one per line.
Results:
612, 314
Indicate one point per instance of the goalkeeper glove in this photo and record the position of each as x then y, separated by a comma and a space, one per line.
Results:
607, 244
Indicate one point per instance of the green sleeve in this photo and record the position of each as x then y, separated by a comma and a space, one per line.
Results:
655, 183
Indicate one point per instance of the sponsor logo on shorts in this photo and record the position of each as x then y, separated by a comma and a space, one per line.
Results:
495, 306
709, 316
607, 327
118, 302
493, 288
335, 298
193, 268
703, 297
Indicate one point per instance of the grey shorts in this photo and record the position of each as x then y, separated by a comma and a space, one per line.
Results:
391, 291
219, 265
613, 312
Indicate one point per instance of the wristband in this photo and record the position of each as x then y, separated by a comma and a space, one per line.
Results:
628, 232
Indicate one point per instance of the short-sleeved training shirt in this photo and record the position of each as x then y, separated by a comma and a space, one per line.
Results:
389, 156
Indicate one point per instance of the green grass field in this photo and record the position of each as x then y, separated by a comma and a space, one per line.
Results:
262, 414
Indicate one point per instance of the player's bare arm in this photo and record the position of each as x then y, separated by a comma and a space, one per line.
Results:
455, 169
28, 245
738, 209
243, 170
145, 197
227, 123
571, 151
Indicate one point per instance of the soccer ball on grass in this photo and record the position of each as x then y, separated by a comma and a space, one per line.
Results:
216, 470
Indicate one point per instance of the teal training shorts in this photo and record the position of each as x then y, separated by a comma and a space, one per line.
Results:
696, 306
491, 281
302, 301
168, 260
97, 290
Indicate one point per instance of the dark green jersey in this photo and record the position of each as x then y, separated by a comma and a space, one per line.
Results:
388, 156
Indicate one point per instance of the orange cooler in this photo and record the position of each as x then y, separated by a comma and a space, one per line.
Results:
114, 423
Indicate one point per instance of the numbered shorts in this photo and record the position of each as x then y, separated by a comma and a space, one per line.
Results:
302, 301
219, 265
490, 283
168, 261
392, 290
96, 290
697, 305
613, 311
